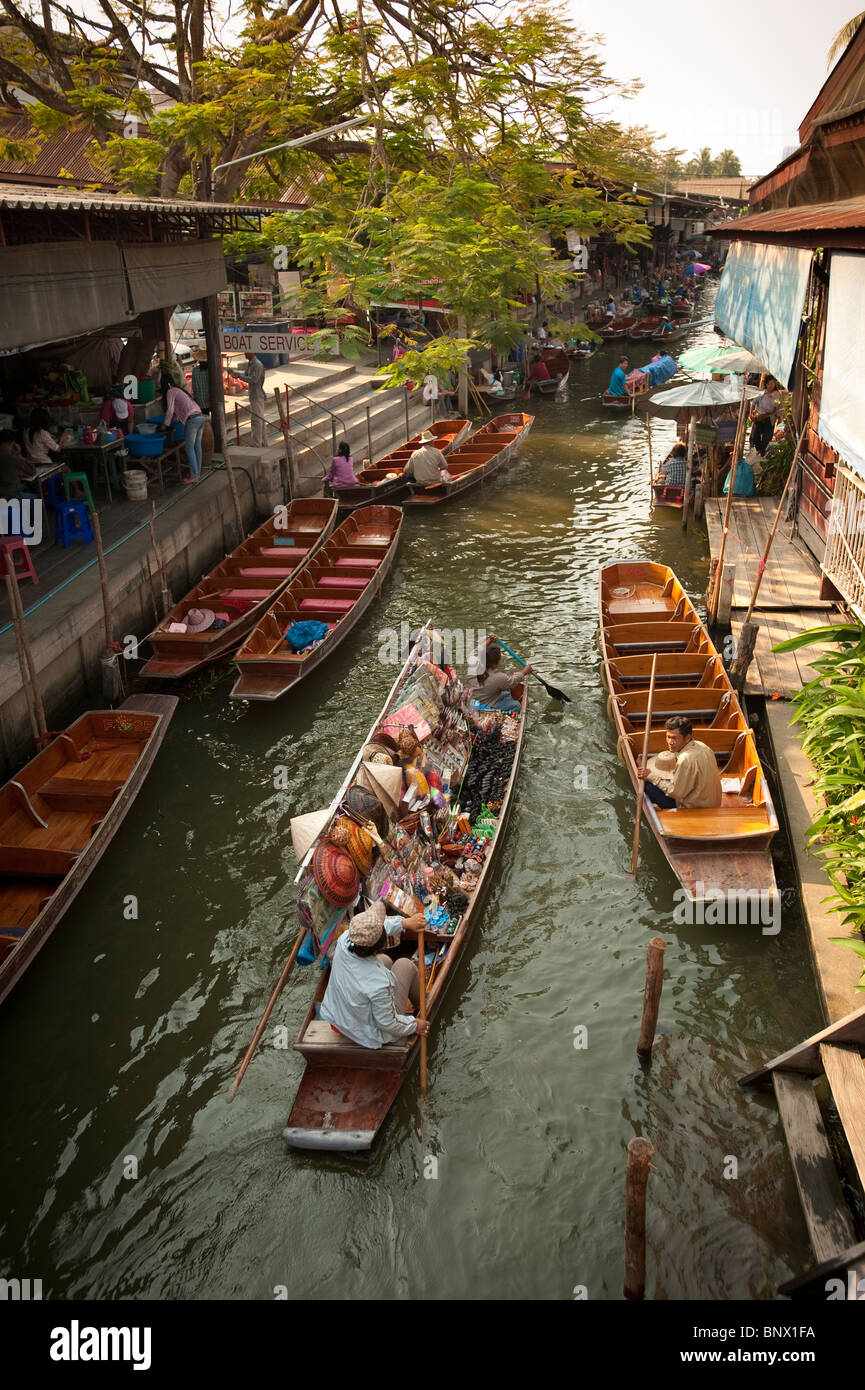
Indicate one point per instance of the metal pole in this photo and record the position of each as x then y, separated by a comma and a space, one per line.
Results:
333, 436
369, 436
407, 425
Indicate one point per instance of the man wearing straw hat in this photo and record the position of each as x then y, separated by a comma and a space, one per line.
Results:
690, 779
367, 994
427, 464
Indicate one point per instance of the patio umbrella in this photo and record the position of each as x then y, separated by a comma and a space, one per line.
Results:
698, 395
720, 360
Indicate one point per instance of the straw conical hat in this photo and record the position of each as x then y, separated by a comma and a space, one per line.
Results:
306, 829
384, 781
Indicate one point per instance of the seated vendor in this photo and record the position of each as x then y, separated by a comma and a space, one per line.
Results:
41, 446
540, 371
492, 687
367, 993
695, 782
427, 464
617, 385
674, 469
115, 412
342, 472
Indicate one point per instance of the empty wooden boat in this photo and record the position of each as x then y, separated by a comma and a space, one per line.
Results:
618, 327
644, 328
475, 461
336, 588
383, 480
240, 589
714, 851
347, 1090
60, 813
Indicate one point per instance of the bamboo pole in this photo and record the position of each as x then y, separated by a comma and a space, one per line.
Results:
256, 1037
369, 437
166, 592
731, 488
651, 995
640, 1153
689, 469
641, 790
103, 581
651, 465
421, 970
761, 568
20, 640
28, 653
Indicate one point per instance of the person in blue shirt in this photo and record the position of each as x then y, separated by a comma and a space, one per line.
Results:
368, 994
618, 378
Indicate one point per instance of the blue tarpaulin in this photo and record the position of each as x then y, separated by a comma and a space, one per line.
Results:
660, 371
760, 302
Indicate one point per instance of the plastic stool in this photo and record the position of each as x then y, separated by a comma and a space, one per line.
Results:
84, 482
8, 547
72, 523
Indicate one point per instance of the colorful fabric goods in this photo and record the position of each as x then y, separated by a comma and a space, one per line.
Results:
485, 825
335, 874
355, 841
299, 636
325, 922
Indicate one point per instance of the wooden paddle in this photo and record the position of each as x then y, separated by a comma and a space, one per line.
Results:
641, 789
551, 690
232, 1090
421, 973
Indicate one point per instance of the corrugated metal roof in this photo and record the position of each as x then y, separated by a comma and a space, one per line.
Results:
19, 196
62, 158
810, 217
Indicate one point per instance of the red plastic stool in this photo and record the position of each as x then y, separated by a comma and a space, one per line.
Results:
25, 570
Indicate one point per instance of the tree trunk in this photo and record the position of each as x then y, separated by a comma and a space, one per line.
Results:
463, 390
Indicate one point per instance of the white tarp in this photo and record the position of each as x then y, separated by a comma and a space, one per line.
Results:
760, 301
842, 402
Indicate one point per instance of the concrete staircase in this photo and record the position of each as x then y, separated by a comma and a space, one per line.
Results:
327, 401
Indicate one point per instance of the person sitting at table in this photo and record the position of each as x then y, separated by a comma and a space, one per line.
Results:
41, 446
114, 411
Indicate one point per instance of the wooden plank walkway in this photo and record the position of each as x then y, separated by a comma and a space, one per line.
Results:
789, 599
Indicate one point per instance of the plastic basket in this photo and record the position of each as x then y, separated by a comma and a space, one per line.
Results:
144, 445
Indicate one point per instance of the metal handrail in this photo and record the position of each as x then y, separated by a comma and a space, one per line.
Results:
313, 401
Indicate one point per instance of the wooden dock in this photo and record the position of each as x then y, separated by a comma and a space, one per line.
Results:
789, 599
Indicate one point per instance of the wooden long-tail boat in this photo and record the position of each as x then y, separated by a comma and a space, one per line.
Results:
477, 460
644, 610
558, 363
644, 328
347, 1090
671, 335
617, 328
60, 813
670, 495
241, 588
383, 480
336, 588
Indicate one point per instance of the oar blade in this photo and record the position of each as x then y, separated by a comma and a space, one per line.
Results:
555, 694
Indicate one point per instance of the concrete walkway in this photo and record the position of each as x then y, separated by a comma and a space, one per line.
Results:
836, 968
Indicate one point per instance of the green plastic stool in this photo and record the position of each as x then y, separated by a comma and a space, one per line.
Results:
84, 482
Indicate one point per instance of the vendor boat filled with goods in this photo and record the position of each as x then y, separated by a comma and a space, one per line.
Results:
59, 815
321, 606
477, 460
384, 479
224, 607
434, 819
713, 851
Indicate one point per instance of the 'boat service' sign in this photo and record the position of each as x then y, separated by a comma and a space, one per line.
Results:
257, 340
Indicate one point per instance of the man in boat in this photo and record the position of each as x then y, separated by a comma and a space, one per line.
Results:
427, 464
617, 380
368, 994
675, 467
696, 782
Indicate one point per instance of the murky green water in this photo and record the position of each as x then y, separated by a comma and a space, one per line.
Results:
123, 1036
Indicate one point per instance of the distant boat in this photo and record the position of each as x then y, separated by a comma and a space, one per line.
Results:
60, 814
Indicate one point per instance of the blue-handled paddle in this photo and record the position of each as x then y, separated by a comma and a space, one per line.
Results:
551, 690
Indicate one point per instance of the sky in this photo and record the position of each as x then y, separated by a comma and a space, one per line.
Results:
741, 77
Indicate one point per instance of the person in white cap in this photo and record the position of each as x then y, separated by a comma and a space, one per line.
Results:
367, 994
427, 464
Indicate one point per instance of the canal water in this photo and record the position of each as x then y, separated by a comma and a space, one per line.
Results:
124, 1172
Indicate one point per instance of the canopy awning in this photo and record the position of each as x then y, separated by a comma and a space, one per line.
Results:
842, 403
760, 301
164, 275
60, 290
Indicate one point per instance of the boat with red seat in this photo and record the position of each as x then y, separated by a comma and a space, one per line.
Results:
481, 456
240, 589
383, 480
335, 588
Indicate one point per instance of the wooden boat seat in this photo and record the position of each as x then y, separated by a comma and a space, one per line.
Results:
344, 581
369, 535
650, 636
360, 562
284, 552
635, 609
268, 572
19, 861
319, 1032
715, 823
331, 605
77, 793
246, 596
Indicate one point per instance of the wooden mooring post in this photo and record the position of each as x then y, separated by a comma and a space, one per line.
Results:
112, 685
651, 995
744, 654
640, 1153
